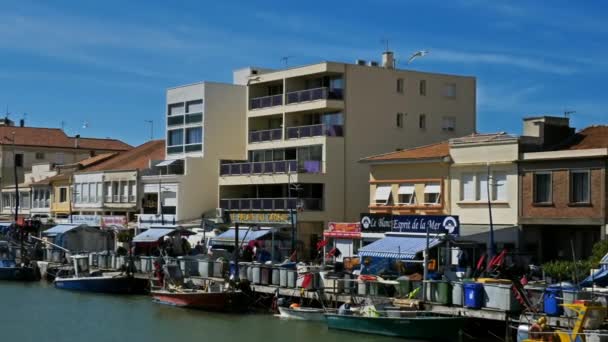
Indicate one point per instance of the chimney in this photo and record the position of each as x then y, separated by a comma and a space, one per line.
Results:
388, 60
22, 123
76, 140
546, 131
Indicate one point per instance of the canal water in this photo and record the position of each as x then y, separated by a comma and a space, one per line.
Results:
38, 312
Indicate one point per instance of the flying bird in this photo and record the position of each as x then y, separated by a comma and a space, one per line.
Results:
417, 54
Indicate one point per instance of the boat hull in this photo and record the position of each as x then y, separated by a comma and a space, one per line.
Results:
423, 327
18, 273
303, 314
104, 284
209, 301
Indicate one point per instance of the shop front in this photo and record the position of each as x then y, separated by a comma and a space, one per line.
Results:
343, 239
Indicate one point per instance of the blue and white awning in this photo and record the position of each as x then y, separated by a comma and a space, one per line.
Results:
397, 247
245, 235
60, 229
152, 235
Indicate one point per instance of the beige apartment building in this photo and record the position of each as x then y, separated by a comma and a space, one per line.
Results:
206, 122
308, 126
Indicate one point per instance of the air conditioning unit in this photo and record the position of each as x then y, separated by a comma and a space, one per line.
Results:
373, 64
360, 62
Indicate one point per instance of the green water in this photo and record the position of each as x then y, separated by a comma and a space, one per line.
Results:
39, 312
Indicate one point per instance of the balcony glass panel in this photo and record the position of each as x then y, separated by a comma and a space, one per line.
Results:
266, 101
245, 204
314, 94
256, 204
257, 168
234, 204
175, 149
246, 168
279, 204
267, 204
225, 204
175, 120
307, 204
194, 148
266, 135
268, 167
314, 131
280, 167
194, 118
235, 169
224, 169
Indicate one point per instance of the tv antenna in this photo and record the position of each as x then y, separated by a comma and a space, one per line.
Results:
285, 59
384, 42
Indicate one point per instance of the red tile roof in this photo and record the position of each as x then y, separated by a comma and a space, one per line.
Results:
588, 138
80, 166
438, 150
138, 158
54, 137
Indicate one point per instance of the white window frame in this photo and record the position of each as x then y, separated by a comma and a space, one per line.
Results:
427, 190
463, 192
496, 187
407, 190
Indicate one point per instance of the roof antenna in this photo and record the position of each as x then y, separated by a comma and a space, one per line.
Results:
385, 43
62, 125
285, 59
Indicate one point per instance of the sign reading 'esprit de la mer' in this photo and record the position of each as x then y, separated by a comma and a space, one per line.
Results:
386, 223
262, 218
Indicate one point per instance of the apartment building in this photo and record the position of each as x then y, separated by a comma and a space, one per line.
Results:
111, 188
28, 146
206, 122
563, 188
308, 126
34, 197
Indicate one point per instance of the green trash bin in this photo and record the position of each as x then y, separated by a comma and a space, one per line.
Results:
438, 291
404, 288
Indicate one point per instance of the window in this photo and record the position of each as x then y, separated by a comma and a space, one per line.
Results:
422, 121
176, 137
195, 106
39, 155
482, 180
542, 187
176, 109
468, 187
449, 90
400, 85
19, 159
194, 135
399, 120
579, 186
407, 194
115, 192
92, 193
383, 194
432, 193
108, 191
132, 191
125, 192
499, 186
6, 201
24, 200
63, 195
99, 192
423, 87
85, 192
448, 123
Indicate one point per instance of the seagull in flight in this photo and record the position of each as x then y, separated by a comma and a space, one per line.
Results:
417, 54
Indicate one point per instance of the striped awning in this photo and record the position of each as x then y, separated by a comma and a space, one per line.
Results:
397, 247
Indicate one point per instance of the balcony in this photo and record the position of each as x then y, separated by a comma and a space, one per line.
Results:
273, 167
265, 135
314, 94
315, 131
266, 101
175, 120
311, 204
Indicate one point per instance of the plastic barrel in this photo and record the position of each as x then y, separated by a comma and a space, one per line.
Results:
473, 295
276, 276
551, 302
265, 275
292, 278
283, 277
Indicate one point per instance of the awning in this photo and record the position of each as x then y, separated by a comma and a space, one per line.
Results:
152, 235
406, 189
599, 278
383, 192
397, 247
432, 188
60, 229
167, 162
227, 237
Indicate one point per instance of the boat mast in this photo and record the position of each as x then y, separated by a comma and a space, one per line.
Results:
236, 252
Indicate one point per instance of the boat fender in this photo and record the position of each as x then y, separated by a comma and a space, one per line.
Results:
294, 306
534, 332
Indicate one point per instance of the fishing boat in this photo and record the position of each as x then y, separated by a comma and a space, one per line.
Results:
589, 317
301, 313
112, 282
211, 297
416, 325
9, 270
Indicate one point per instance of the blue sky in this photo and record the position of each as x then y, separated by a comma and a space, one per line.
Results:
109, 62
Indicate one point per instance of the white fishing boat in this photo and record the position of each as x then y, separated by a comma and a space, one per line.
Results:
302, 313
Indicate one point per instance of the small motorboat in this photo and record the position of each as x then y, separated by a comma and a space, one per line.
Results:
417, 325
301, 313
112, 282
212, 297
9, 270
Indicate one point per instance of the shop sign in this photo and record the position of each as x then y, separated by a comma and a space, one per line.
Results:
386, 223
148, 220
263, 218
89, 220
345, 230
114, 221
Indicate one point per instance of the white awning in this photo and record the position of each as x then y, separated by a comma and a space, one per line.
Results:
167, 162
406, 189
383, 192
432, 188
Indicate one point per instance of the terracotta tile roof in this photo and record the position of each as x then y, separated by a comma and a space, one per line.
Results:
96, 159
137, 158
54, 137
437, 150
588, 138
81, 165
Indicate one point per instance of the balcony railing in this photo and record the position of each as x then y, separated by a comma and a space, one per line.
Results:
315, 131
310, 204
266, 101
314, 94
273, 167
266, 135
